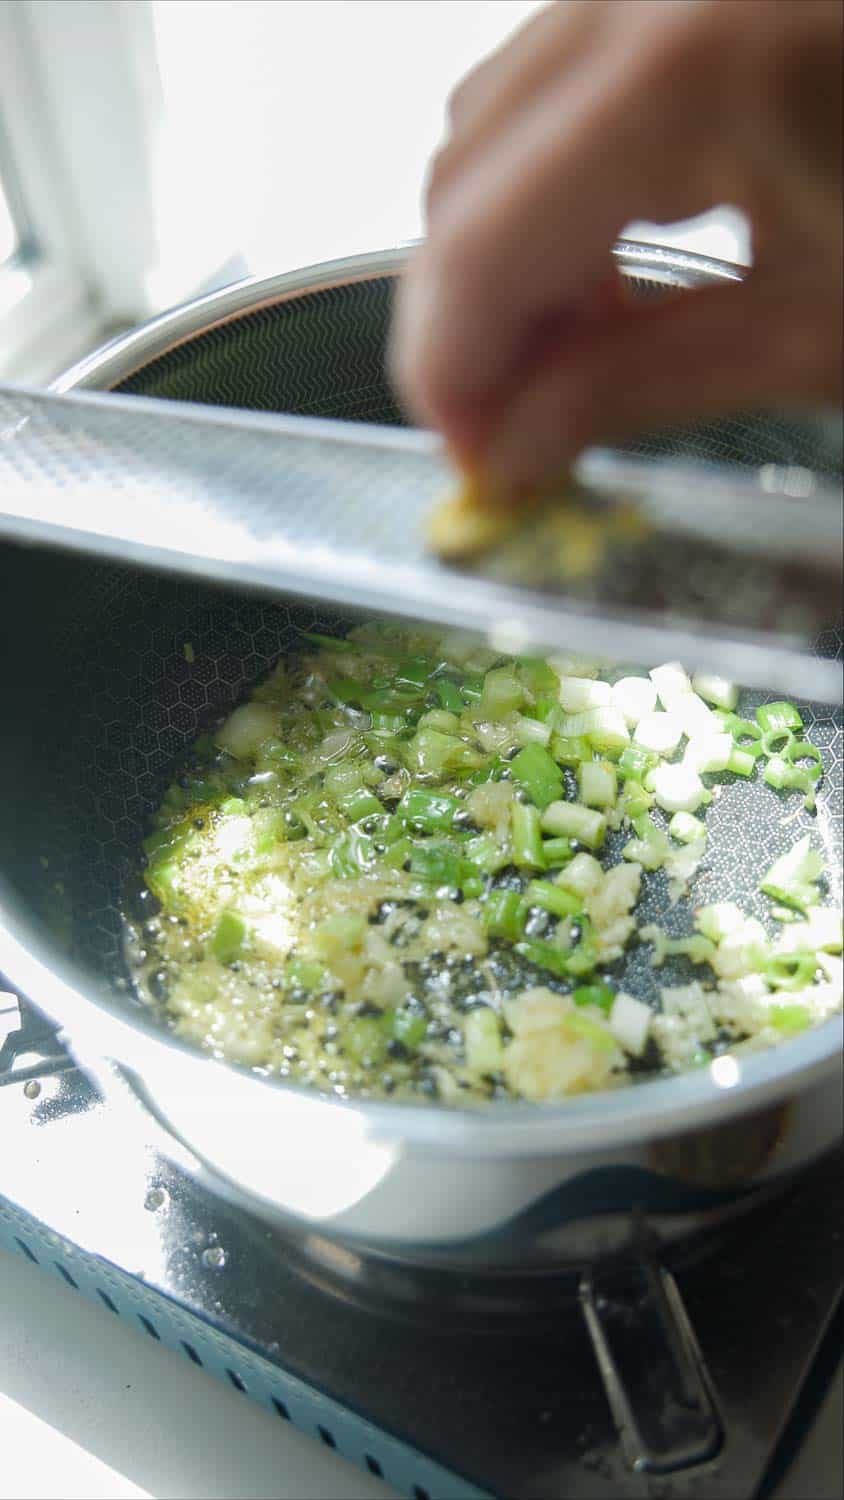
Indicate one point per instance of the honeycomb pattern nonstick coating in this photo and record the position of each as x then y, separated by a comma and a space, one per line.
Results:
106, 700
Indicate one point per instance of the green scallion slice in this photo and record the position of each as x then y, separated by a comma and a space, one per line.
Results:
778, 716
538, 773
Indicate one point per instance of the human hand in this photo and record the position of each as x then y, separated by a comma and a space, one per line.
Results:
513, 333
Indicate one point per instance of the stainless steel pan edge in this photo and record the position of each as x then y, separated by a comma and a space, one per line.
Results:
514, 1183
105, 367
519, 1184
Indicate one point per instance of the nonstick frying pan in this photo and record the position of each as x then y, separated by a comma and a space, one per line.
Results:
100, 703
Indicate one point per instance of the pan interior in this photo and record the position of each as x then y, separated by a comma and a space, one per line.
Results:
102, 699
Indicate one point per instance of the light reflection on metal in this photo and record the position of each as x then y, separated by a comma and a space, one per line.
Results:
725, 1071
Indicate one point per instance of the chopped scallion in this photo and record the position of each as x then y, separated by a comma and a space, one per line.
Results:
360, 804
746, 734
526, 836
594, 994
449, 695
740, 762
503, 915
539, 678
591, 1031
229, 937
778, 716
545, 956
716, 690
486, 853
502, 693
572, 820
304, 974
365, 1041
791, 971
535, 770
792, 878
557, 852
570, 750
553, 898
406, 1025
789, 1018
597, 783
430, 812
634, 763
776, 741
482, 1039
352, 853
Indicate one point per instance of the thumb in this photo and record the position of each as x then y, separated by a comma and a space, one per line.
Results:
763, 342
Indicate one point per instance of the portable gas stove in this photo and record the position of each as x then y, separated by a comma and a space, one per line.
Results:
448, 1387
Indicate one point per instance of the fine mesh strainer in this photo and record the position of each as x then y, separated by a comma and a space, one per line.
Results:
102, 697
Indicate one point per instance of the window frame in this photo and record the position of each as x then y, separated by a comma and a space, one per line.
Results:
46, 299
81, 108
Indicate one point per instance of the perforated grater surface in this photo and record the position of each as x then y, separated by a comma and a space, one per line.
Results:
334, 511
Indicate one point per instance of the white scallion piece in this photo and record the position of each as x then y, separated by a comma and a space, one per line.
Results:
744, 951
597, 782
580, 693
670, 681
708, 752
634, 697
821, 930
532, 732
604, 727
677, 788
689, 1003
720, 919
246, 729
695, 716
659, 732
630, 1022
583, 875
716, 690
572, 666
688, 829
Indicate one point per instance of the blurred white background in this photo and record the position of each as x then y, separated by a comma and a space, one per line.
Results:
152, 149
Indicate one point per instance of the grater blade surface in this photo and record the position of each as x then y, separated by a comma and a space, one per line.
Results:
337, 511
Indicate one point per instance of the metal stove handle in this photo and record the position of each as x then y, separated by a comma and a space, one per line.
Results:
659, 1392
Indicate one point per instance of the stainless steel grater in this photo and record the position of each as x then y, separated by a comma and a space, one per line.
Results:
735, 569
